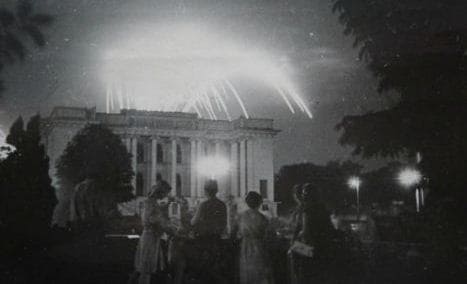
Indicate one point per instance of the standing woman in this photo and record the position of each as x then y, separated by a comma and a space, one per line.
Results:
254, 261
150, 258
314, 230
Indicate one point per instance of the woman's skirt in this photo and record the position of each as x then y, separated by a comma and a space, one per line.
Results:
150, 256
254, 263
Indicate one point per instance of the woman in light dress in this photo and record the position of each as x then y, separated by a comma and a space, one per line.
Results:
151, 258
252, 228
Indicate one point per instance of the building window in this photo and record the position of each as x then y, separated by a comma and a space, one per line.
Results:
178, 185
160, 153
179, 154
140, 152
263, 188
139, 184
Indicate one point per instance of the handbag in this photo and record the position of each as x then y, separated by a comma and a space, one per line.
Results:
302, 249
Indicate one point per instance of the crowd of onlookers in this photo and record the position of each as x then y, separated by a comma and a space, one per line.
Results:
194, 249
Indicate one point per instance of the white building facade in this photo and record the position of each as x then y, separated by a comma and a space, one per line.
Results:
172, 144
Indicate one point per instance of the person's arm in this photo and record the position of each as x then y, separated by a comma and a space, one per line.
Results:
197, 217
224, 217
298, 220
235, 227
305, 234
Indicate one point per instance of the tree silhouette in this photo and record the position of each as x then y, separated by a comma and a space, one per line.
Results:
96, 153
27, 197
418, 49
15, 27
382, 187
330, 179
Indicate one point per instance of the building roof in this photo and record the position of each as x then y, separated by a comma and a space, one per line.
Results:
157, 120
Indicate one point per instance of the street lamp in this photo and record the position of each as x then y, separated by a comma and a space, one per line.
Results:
408, 178
354, 183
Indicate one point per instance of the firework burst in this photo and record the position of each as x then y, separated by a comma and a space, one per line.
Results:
183, 68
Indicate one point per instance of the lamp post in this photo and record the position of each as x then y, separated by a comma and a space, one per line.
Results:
408, 178
354, 183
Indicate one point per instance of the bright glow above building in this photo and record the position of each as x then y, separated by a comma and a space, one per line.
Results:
213, 167
409, 177
188, 68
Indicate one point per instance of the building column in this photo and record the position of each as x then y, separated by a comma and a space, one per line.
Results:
217, 148
134, 160
173, 168
233, 169
242, 168
128, 144
199, 156
153, 160
250, 160
192, 167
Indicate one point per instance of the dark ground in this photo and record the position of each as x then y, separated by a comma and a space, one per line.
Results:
109, 260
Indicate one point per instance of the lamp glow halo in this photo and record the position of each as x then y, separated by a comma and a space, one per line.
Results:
213, 167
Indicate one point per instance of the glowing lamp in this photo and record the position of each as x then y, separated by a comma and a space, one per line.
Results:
213, 167
354, 182
409, 177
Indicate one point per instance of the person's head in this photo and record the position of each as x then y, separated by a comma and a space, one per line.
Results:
297, 193
310, 193
159, 191
253, 200
211, 188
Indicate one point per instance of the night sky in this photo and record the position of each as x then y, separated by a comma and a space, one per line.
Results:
305, 34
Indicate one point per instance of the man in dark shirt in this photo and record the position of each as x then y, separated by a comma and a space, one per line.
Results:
210, 219
209, 224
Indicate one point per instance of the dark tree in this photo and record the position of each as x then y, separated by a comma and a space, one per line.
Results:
97, 154
17, 133
27, 197
381, 186
331, 179
417, 49
15, 28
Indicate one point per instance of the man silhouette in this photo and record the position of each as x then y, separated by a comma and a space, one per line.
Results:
209, 224
210, 219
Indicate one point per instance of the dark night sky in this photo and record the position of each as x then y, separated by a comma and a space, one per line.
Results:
305, 33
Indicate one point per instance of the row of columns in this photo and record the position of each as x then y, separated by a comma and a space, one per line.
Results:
241, 161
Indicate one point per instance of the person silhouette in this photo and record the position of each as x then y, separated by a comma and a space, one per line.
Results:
209, 223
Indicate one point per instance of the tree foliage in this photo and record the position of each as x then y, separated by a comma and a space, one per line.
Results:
382, 187
15, 28
98, 154
331, 179
418, 49
27, 197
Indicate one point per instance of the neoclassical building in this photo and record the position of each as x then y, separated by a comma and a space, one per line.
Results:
174, 144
